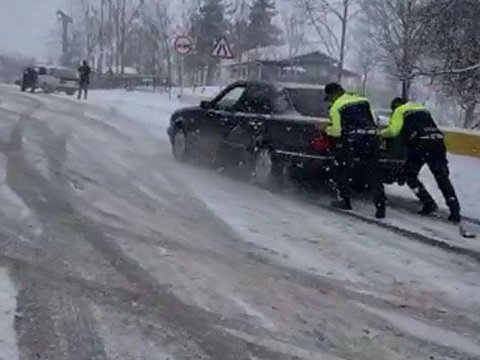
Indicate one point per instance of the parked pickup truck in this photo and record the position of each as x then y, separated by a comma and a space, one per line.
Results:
273, 129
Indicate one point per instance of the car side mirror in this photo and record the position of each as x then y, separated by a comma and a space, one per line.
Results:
205, 104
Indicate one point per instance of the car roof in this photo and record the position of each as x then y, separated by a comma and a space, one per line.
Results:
52, 67
383, 111
250, 82
294, 85
279, 84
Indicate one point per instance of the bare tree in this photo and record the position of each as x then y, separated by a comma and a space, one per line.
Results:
158, 21
91, 26
367, 58
294, 25
127, 12
455, 53
400, 28
330, 19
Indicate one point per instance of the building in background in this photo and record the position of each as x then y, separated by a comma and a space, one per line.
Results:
277, 63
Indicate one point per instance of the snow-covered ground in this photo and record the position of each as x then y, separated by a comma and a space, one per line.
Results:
8, 304
138, 256
154, 109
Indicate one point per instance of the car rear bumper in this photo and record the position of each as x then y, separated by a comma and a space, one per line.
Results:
67, 88
320, 164
296, 158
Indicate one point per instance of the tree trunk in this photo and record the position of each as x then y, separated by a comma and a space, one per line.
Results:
101, 36
123, 31
117, 36
210, 73
468, 121
406, 84
169, 69
364, 82
343, 39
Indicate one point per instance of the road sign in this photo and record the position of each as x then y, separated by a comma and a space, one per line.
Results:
183, 44
222, 49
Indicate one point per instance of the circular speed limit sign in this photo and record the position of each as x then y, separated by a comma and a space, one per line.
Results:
183, 45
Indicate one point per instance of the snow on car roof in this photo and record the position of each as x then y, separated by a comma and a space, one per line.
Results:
293, 85
50, 66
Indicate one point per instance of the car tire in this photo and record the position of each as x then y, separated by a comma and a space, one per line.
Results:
47, 89
180, 148
266, 172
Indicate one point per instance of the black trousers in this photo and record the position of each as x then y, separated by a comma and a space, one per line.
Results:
433, 154
82, 86
359, 156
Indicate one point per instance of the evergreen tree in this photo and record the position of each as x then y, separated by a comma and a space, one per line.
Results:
261, 31
238, 13
208, 25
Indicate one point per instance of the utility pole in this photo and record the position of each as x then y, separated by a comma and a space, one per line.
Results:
66, 21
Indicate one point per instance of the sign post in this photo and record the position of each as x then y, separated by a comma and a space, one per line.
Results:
183, 45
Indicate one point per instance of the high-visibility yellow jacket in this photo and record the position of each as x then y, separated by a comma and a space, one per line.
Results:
412, 122
351, 114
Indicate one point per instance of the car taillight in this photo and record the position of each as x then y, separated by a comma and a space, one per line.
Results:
320, 143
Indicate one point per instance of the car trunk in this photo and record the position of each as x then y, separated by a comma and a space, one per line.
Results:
300, 120
297, 133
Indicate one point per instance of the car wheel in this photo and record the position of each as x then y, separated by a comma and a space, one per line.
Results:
266, 172
47, 89
179, 145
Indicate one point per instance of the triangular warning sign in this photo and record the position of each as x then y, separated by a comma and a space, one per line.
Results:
222, 49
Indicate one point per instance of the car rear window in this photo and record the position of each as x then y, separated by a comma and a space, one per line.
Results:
308, 102
41, 70
66, 74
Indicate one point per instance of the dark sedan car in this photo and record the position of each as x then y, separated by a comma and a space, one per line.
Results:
272, 129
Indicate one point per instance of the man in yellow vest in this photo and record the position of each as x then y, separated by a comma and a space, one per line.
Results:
425, 145
356, 137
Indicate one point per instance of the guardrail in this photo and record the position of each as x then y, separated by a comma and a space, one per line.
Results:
462, 142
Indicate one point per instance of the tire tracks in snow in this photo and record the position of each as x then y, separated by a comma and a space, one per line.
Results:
52, 202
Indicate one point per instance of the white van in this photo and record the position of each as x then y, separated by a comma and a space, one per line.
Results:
56, 78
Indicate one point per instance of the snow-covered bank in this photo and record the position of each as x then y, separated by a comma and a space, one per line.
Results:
149, 108
154, 110
8, 303
465, 175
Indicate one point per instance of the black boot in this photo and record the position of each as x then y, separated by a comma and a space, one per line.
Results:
428, 208
455, 217
381, 212
342, 204
454, 207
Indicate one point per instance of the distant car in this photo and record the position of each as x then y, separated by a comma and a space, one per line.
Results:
271, 128
55, 78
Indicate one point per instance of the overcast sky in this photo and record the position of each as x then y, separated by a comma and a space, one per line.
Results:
25, 25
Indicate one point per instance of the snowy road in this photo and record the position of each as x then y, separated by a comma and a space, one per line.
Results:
111, 250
